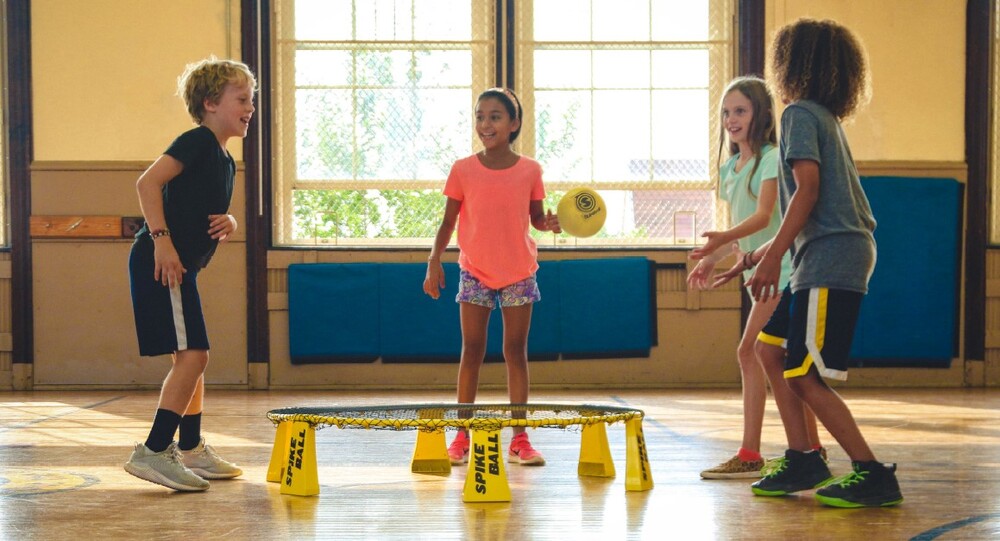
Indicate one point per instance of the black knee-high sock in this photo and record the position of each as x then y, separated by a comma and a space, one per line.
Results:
164, 425
190, 432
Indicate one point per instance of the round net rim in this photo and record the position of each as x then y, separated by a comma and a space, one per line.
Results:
367, 416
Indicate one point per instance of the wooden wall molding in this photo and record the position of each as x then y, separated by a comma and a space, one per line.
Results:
77, 227
888, 168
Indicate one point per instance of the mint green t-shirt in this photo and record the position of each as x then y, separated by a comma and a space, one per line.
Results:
742, 205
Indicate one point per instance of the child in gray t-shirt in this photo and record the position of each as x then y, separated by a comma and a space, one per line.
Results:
820, 72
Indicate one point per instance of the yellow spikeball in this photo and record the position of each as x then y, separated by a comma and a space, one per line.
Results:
581, 212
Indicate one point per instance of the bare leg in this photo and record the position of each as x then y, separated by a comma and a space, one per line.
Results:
184, 380
791, 408
833, 412
754, 378
475, 321
198, 399
516, 323
813, 428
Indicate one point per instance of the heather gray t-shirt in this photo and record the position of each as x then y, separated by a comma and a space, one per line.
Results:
836, 248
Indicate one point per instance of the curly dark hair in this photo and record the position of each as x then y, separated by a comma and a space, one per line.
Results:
820, 61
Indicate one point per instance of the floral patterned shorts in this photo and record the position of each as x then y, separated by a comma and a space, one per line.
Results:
472, 291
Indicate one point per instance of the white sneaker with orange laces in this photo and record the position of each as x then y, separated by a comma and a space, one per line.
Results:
521, 452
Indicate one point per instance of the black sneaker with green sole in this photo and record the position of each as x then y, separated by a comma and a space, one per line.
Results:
794, 472
871, 484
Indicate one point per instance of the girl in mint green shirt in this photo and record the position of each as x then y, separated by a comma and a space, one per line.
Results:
748, 183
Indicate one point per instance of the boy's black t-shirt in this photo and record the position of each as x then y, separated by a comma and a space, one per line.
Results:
204, 187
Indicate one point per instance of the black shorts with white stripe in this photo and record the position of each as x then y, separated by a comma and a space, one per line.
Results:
166, 319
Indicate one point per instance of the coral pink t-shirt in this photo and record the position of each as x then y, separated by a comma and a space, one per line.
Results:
494, 219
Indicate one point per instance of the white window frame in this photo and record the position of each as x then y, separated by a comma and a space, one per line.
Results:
722, 58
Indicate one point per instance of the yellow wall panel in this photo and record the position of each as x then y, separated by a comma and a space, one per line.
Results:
104, 73
916, 51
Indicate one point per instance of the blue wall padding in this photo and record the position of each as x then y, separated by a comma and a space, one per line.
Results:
544, 340
605, 308
383, 312
910, 315
415, 327
333, 312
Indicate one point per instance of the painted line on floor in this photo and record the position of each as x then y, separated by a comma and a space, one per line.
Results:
934, 533
51, 417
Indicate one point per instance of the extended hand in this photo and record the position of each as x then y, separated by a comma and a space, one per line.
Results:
714, 242
733, 271
698, 279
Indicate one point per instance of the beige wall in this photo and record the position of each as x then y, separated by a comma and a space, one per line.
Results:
105, 72
104, 106
84, 329
916, 51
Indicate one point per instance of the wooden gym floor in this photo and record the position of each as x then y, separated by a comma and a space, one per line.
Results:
61, 477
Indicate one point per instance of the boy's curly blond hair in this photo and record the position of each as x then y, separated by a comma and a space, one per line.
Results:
206, 79
820, 61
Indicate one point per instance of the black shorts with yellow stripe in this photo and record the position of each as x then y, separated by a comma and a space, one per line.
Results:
816, 327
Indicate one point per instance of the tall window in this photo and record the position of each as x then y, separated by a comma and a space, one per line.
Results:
624, 96
374, 102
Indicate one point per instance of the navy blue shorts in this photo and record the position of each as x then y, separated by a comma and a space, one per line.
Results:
816, 327
166, 320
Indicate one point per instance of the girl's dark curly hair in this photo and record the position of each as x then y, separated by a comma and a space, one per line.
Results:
820, 61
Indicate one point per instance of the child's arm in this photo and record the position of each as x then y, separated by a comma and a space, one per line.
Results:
698, 278
434, 280
543, 220
764, 282
167, 264
742, 263
761, 216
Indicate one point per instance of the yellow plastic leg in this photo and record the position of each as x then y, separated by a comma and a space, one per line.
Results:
430, 455
300, 477
638, 476
279, 453
487, 477
595, 454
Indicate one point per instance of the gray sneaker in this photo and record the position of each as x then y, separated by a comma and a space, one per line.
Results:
204, 461
163, 468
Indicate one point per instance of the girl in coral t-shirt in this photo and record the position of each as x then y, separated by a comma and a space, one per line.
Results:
494, 194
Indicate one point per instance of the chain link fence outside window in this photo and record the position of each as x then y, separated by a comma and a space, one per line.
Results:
374, 102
